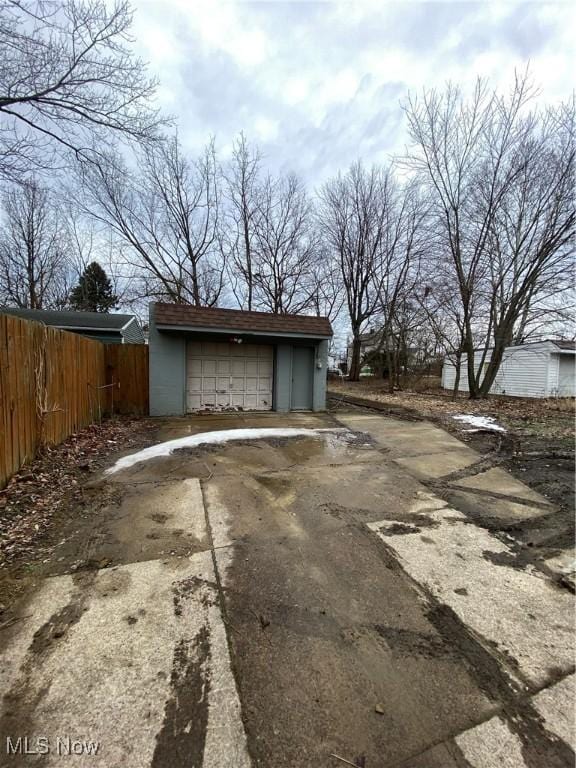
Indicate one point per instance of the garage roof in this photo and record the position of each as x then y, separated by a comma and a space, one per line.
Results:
240, 321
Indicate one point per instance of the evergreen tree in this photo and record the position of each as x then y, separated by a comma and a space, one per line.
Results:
94, 291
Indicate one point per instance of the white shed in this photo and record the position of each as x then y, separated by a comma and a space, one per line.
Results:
539, 369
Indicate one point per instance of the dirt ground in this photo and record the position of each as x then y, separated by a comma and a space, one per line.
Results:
48, 500
538, 447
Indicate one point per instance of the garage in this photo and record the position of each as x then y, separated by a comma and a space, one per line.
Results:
212, 359
223, 376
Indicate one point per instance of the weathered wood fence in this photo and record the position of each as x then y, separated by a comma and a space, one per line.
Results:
53, 383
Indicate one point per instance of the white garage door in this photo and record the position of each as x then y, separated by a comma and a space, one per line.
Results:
221, 376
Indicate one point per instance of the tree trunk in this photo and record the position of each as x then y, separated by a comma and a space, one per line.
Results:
355, 361
458, 371
390, 366
470, 367
492, 370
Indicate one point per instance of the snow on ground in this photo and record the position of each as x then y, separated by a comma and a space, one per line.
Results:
219, 436
479, 422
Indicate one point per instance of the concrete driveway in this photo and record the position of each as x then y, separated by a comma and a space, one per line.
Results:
361, 593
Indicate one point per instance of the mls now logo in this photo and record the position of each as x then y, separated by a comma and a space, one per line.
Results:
41, 745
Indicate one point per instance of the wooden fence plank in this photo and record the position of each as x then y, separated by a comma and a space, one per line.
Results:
50, 383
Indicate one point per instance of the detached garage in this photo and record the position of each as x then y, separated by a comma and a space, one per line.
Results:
537, 369
226, 359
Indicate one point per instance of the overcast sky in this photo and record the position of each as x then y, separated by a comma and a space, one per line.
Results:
318, 85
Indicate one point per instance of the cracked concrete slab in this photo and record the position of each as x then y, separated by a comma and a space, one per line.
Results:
556, 705
407, 438
484, 505
494, 743
133, 658
437, 465
473, 572
502, 482
491, 745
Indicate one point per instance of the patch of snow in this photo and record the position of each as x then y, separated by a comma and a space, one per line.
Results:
213, 438
479, 422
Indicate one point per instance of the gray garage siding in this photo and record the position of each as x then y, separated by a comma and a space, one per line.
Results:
167, 373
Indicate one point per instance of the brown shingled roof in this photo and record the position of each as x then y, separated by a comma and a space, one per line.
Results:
240, 321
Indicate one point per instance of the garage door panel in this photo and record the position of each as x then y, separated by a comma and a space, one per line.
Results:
221, 376
194, 402
208, 367
194, 384
223, 366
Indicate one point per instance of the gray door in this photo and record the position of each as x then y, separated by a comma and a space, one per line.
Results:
302, 376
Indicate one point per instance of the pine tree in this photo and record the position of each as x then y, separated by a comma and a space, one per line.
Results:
94, 291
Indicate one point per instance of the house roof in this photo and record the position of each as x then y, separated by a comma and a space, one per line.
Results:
240, 321
68, 319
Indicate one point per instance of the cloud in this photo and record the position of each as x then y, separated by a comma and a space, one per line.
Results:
318, 85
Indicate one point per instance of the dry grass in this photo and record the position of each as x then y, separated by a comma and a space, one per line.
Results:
552, 418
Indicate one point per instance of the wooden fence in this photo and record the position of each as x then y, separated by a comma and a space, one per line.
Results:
127, 377
53, 383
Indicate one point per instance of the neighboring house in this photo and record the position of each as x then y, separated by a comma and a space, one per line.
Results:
371, 342
538, 369
228, 359
108, 328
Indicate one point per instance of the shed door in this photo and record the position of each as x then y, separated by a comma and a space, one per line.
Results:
222, 376
302, 378
566, 376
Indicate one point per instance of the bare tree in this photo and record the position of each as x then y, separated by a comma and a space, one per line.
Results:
472, 155
68, 80
531, 240
285, 248
167, 215
404, 242
353, 220
328, 296
242, 186
34, 249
